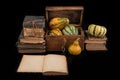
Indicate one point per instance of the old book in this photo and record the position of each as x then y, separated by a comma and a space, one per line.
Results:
35, 32
50, 64
33, 40
30, 46
34, 26
95, 41
31, 50
96, 47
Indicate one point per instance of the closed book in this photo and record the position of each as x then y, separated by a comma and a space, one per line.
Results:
31, 50
96, 47
30, 46
34, 40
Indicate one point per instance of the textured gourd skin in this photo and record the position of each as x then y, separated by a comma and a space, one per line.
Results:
58, 22
55, 32
70, 30
97, 30
74, 48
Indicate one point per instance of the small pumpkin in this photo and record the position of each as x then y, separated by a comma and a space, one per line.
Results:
58, 22
55, 32
97, 30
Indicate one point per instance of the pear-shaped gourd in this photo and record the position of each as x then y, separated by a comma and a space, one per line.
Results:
75, 48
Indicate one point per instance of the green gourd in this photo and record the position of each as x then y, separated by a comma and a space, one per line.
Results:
70, 30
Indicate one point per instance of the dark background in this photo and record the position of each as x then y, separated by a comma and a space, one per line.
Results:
88, 65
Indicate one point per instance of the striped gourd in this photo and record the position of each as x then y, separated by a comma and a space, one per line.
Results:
97, 30
55, 32
58, 22
70, 30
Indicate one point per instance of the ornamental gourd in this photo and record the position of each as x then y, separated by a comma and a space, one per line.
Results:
97, 30
58, 22
70, 30
55, 32
75, 48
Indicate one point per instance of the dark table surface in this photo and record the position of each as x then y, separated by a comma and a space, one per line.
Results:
89, 64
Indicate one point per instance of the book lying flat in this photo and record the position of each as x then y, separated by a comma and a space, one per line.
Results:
96, 47
34, 31
95, 41
31, 40
34, 26
51, 64
31, 50
30, 45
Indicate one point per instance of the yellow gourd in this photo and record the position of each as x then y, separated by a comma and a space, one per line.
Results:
55, 32
75, 48
58, 22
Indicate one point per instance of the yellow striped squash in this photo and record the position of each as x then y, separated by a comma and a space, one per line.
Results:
55, 32
58, 22
97, 30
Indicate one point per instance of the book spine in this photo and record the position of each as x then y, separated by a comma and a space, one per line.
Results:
31, 46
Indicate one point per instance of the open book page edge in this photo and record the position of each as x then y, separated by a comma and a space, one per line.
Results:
31, 63
55, 73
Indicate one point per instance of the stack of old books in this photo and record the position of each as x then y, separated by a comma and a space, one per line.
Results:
31, 38
95, 44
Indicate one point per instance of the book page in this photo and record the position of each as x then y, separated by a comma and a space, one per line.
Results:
55, 65
31, 63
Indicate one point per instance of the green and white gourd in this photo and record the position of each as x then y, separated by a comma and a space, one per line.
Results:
70, 30
97, 30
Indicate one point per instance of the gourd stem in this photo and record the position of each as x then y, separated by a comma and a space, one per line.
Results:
77, 39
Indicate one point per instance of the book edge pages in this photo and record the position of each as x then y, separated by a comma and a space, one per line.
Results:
31, 51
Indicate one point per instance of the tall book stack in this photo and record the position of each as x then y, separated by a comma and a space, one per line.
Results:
94, 43
31, 38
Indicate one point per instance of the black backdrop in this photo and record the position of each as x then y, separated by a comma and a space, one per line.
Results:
88, 65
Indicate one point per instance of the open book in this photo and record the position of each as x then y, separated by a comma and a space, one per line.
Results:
51, 64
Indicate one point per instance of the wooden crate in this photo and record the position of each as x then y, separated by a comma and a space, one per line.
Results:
75, 15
